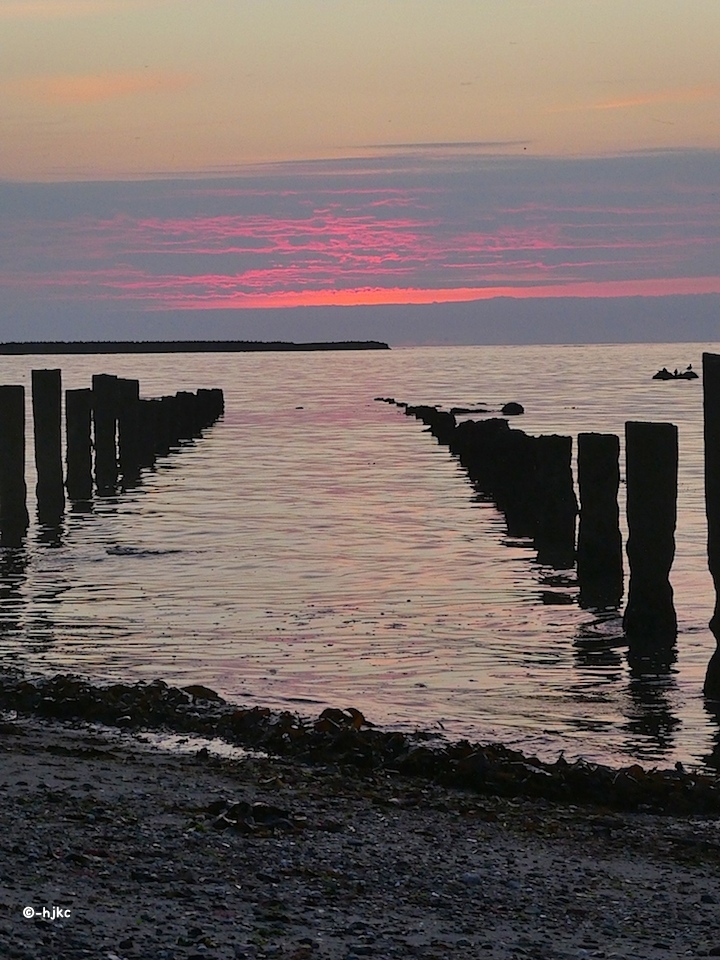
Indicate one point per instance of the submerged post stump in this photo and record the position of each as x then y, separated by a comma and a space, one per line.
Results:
14, 519
105, 432
47, 424
78, 422
599, 549
651, 457
711, 416
556, 502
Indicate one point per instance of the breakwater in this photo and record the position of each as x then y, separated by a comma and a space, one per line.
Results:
111, 435
530, 480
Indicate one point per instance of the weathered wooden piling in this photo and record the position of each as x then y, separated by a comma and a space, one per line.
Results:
188, 419
711, 417
476, 443
512, 479
651, 468
148, 421
47, 426
127, 397
104, 386
14, 519
212, 404
599, 547
556, 502
168, 433
78, 442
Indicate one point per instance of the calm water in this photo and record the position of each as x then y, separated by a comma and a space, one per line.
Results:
316, 547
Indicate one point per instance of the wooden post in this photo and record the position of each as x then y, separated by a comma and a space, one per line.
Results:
207, 405
214, 404
148, 421
129, 442
186, 406
556, 502
599, 550
14, 519
168, 432
47, 423
514, 482
651, 458
475, 443
105, 430
78, 418
711, 416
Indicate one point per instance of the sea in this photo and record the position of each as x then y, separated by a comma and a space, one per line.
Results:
316, 547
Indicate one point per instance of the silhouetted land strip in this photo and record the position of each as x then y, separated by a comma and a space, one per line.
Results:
181, 346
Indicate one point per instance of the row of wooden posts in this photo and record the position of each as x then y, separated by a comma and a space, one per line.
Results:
111, 434
531, 481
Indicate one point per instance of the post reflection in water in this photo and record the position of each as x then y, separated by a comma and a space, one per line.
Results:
652, 688
597, 645
601, 649
712, 711
13, 574
50, 533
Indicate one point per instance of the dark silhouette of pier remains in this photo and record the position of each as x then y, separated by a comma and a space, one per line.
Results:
110, 436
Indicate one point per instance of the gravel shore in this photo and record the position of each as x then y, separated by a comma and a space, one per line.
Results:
155, 854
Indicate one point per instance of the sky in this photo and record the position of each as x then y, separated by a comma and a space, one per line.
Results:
416, 171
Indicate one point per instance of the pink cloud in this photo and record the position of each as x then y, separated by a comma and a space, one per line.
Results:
344, 241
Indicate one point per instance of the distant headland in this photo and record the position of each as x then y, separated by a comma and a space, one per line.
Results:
180, 346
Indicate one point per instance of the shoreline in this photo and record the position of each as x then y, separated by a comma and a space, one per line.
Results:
148, 853
346, 737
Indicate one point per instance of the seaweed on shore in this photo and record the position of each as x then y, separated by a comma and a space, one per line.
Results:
344, 738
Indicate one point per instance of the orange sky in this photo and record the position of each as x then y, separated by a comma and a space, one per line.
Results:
371, 153
103, 88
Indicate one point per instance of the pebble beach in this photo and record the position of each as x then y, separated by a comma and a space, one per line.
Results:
113, 848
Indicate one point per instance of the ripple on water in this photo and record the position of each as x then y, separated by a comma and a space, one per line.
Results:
337, 554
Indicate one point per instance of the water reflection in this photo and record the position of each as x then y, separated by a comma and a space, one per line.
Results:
50, 534
13, 574
562, 584
81, 507
209, 574
712, 711
653, 691
12, 533
598, 645
646, 675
